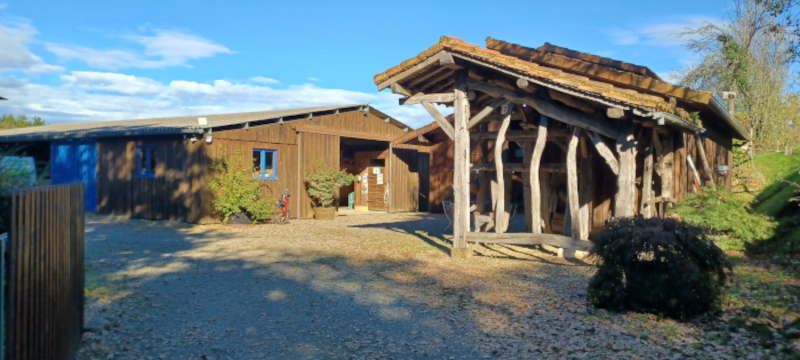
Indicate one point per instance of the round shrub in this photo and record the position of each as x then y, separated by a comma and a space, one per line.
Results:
660, 266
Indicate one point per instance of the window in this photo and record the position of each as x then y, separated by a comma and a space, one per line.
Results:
145, 162
265, 164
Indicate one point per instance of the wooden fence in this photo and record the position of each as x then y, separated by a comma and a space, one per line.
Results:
44, 297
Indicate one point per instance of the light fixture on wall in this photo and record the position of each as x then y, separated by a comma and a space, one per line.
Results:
208, 137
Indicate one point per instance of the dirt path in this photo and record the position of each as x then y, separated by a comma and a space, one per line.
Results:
361, 286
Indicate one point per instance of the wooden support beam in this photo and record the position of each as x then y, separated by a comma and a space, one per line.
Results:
484, 178
586, 185
515, 135
519, 167
558, 241
486, 111
561, 113
605, 152
461, 159
535, 210
500, 215
647, 180
527, 154
399, 89
441, 120
572, 184
431, 98
668, 167
615, 113
659, 160
571, 101
701, 153
447, 61
625, 200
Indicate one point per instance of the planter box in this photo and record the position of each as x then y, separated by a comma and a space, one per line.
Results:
324, 213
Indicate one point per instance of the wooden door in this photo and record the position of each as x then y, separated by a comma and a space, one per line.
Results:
376, 182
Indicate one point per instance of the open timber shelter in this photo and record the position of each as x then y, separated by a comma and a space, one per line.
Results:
160, 168
586, 138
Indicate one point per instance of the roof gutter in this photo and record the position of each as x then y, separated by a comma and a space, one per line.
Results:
720, 111
664, 118
89, 134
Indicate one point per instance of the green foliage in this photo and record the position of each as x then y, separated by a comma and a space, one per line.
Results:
11, 122
324, 181
660, 266
725, 217
236, 191
12, 177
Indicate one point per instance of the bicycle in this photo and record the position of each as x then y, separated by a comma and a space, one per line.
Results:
281, 214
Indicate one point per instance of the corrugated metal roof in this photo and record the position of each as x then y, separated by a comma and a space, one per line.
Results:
167, 125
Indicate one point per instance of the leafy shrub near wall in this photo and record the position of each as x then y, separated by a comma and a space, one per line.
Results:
660, 266
725, 217
323, 182
236, 191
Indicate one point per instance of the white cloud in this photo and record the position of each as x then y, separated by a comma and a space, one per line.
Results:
264, 80
15, 54
113, 83
661, 34
164, 49
96, 96
314, 79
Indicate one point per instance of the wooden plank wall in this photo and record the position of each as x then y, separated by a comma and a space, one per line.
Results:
270, 189
179, 191
717, 154
175, 193
424, 166
312, 148
45, 280
404, 174
441, 174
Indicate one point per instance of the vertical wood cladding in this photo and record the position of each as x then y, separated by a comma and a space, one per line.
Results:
179, 190
313, 148
404, 172
174, 193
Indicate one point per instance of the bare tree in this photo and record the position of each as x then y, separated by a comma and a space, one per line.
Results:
751, 53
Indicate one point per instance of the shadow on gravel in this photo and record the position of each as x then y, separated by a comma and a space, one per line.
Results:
180, 296
259, 293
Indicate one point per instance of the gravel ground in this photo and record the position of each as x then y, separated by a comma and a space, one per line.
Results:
365, 285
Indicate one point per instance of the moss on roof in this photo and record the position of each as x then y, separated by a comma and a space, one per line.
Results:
527, 68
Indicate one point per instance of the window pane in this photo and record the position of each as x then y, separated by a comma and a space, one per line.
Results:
269, 163
142, 152
257, 163
152, 153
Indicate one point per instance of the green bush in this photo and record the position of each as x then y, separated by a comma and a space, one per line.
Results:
660, 266
322, 183
236, 191
725, 217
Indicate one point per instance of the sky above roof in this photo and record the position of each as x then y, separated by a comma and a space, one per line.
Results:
77, 60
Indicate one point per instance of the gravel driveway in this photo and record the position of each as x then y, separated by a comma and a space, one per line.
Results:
365, 285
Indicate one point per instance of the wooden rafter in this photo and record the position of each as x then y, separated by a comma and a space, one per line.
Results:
486, 111
604, 152
559, 112
431, 98
440, 119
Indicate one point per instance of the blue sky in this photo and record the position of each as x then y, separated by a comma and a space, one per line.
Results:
76, 60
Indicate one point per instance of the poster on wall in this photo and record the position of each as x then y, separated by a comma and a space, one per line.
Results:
380, 179
364, 185
376, 169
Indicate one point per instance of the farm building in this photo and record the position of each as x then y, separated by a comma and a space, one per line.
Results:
159, 168
575, 139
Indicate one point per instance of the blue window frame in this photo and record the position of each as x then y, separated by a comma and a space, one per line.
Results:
145, 162
265, 164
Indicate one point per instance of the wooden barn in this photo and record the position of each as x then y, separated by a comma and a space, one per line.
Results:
159, 168
573, 139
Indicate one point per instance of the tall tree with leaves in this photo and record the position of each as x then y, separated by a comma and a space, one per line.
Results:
9, 121
752, 53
